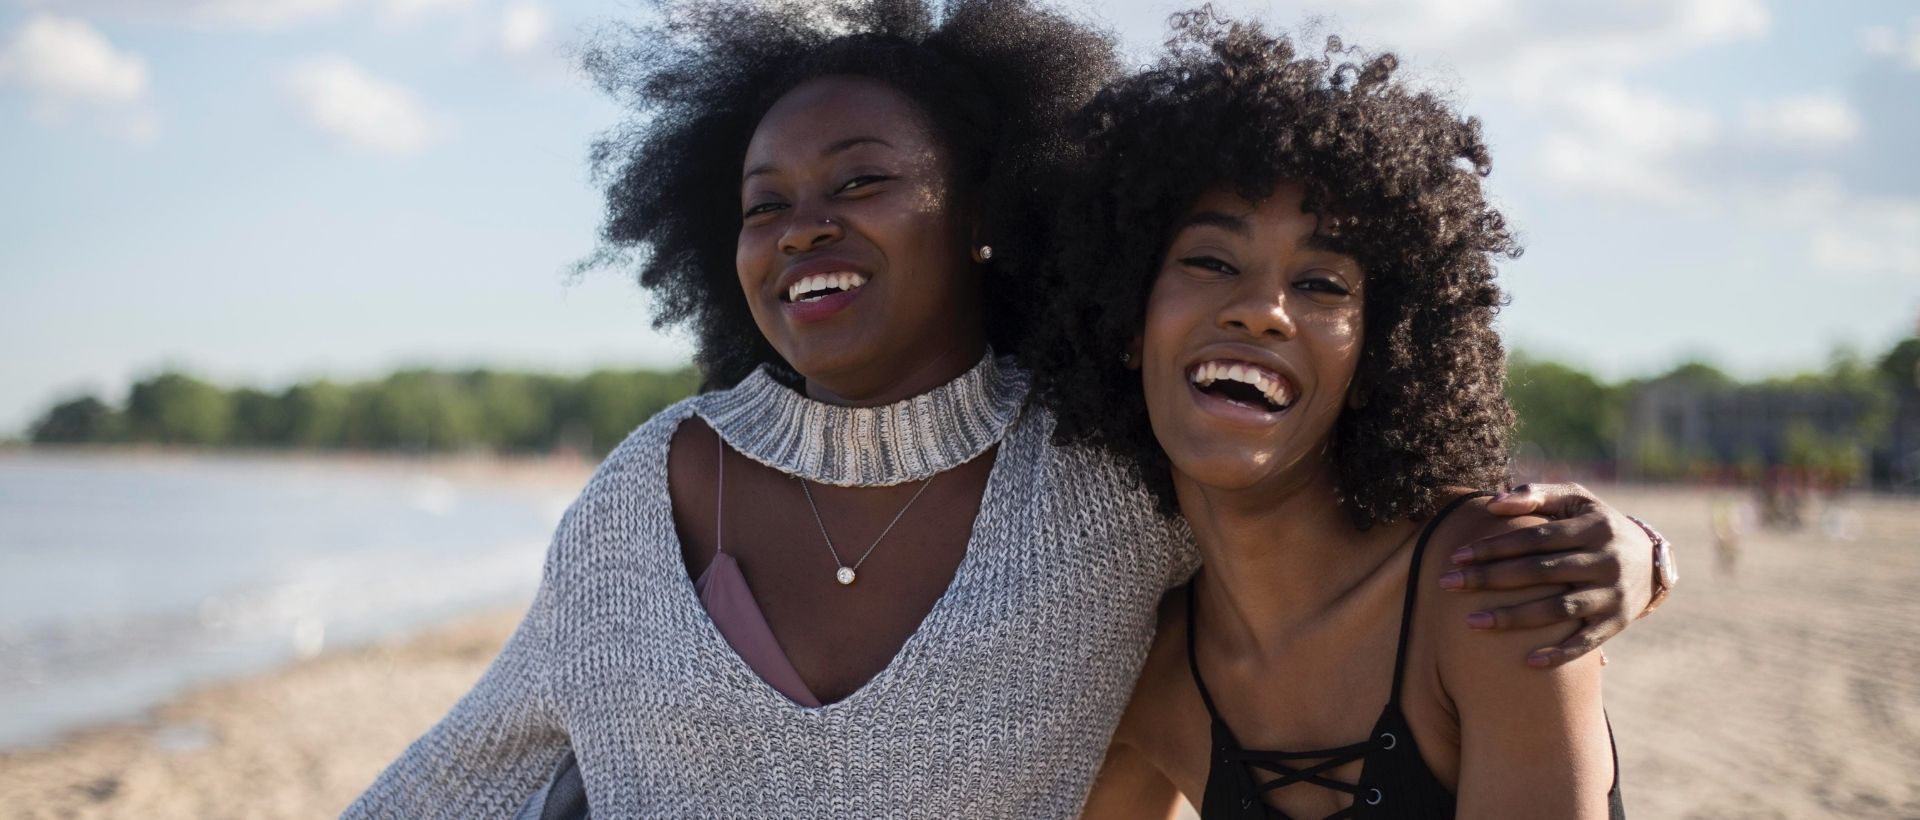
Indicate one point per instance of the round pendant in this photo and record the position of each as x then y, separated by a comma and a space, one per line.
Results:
844, 576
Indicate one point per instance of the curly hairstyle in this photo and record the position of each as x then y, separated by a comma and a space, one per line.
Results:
1393, 173
997, 80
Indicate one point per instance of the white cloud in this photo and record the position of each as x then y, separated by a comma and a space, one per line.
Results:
1526, 48
1847, 234
259, 14
524, 27
1619, 140
405, 11
344, 100
1886, 41
1810, 120
70, 71
67, 59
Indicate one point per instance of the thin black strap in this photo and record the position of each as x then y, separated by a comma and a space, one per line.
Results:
1193, 658
1413, 586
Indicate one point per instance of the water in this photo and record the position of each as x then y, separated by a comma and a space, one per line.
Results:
124, 580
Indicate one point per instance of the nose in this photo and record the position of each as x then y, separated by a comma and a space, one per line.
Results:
1258, 307
808, 231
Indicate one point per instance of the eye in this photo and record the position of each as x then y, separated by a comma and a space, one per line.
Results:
1211, 263
763, 208
1321, 284
862, 181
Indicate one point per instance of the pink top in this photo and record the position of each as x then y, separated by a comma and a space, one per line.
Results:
723, 591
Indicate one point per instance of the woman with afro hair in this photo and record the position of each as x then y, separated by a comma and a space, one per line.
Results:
854, 577
1283, 266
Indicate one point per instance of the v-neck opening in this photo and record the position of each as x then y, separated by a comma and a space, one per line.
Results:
931, 620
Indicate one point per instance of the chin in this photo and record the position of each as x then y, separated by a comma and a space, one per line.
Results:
1221, 468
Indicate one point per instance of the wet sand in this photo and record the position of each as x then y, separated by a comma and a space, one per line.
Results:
1789, 688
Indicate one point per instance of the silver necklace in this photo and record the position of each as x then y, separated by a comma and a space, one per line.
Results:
846, 574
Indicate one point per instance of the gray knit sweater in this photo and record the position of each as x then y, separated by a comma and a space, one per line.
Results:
1000, 705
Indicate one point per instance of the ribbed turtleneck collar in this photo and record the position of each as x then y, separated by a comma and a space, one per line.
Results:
908, 440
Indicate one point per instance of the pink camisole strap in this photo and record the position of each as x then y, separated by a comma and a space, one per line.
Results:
729, 602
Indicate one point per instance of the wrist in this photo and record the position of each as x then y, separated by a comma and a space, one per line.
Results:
1665, 573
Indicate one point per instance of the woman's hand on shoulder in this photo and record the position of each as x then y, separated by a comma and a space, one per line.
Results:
1600, 562
1532, 743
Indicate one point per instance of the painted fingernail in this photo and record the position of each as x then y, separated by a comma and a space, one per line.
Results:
1480, 620
1463, 555
1452, 580
1538, 661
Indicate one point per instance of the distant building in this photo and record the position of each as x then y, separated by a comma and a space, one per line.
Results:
1897, 466
1674, 425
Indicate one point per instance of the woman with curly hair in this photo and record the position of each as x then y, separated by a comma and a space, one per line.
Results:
855, 577
1295, 256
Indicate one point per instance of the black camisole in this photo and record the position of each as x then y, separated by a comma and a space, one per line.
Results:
1395, 783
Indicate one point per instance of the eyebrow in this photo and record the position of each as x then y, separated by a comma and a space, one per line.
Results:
1215, 219
1239, 227
837, 147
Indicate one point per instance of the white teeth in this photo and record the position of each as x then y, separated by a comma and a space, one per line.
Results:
802, 290
1268, 383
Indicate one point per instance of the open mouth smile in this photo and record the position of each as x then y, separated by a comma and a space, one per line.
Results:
814, 287
1244, 385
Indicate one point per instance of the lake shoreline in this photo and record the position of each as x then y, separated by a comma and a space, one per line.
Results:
1782, 680
560, 468
317, 730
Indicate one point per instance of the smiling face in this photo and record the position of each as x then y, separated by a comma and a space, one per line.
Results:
1253, 334
852, 253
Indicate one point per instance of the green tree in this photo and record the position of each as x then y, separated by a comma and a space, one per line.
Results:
516, 409
259, 418
315, 414
1698, 372
608, 404
173, 408
415, 410
1901, 364
85, 420
1567, 412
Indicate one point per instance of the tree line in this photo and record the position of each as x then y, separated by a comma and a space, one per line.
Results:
1567, 413
411, 410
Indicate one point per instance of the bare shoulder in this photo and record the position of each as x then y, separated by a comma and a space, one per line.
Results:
1472, 657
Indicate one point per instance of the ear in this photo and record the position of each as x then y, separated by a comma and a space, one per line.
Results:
1130, 359
1356, 394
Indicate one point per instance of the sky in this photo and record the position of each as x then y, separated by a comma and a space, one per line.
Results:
264, 191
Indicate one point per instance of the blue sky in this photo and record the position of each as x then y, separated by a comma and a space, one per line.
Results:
268, 190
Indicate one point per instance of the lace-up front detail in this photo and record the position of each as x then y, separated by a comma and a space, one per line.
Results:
1395, 781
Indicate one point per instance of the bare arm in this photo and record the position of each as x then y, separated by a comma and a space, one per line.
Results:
1130, 788
1533, 743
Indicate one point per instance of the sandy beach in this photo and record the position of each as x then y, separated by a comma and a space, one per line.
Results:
1786, 687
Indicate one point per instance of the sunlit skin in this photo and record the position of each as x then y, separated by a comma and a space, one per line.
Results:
1298, 609
843, 173
1293, 308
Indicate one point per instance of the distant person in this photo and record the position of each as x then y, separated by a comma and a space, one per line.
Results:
1725, 514
1295, 257
858, 578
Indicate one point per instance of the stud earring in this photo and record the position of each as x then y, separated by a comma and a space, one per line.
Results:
984, 253
1126, 358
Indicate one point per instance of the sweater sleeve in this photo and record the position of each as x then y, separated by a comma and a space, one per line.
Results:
496, 747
